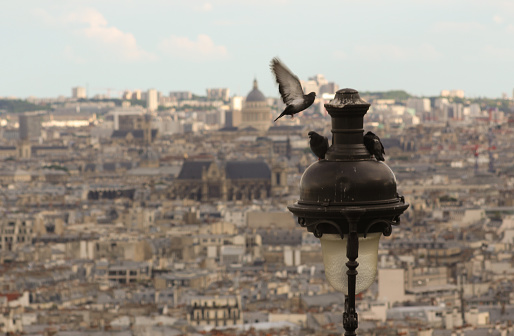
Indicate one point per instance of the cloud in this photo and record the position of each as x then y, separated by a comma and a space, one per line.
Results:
231, 23
98, 31
91, 25
225, 23
389, 52
497, 19
205, 7
456, 27
89, 16
498, 53
203, 49
124, 43
43, 16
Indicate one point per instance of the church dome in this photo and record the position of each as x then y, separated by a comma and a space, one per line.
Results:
255, 95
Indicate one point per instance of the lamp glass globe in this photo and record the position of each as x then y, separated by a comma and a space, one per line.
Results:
333, 249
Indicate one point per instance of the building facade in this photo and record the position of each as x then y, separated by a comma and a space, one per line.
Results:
218, 93
15, 232
152, 100
78, 92
226, 181
215, 311
30, 125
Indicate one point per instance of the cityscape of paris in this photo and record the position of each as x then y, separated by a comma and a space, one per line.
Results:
145, 185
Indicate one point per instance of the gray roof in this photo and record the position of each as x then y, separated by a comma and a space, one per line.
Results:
137, 133
128, 264
417, 312
323, 300
109, 166
94, 333
192, 170
247, 170
280, 237
126, 165
36, 148
90, 167
391, 142
224, 129
495, 313
249, 129
286, 128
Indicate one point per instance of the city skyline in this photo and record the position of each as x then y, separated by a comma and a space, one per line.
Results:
421, 48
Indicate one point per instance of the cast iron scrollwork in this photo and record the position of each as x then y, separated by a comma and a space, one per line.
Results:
316, 225
318, 233
387, 227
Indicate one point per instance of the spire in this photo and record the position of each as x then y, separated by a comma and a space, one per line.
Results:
255, 86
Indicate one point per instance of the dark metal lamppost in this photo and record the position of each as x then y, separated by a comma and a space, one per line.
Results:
349, 200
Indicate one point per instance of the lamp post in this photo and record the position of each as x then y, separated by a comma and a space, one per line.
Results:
349, 200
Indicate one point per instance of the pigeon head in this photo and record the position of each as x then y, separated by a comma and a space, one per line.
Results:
318, 144
312, 94
315, 136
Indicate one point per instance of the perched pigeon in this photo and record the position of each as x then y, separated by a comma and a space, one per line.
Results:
290, 90
374, 145
319, 144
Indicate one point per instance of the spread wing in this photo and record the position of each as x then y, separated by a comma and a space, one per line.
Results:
288, 84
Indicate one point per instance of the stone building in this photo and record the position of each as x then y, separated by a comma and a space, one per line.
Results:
226, 181
215, 311
256, 112
127, 271
15, 232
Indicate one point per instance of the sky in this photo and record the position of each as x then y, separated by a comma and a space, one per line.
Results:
420, 46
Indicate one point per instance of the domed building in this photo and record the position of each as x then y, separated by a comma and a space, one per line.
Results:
255, 113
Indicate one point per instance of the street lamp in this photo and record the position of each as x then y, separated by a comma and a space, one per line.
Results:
349, 200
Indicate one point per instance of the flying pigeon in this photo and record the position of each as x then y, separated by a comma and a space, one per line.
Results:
374, 145
290, 90
318, 144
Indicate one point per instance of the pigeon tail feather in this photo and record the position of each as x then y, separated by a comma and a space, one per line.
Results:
280, 116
